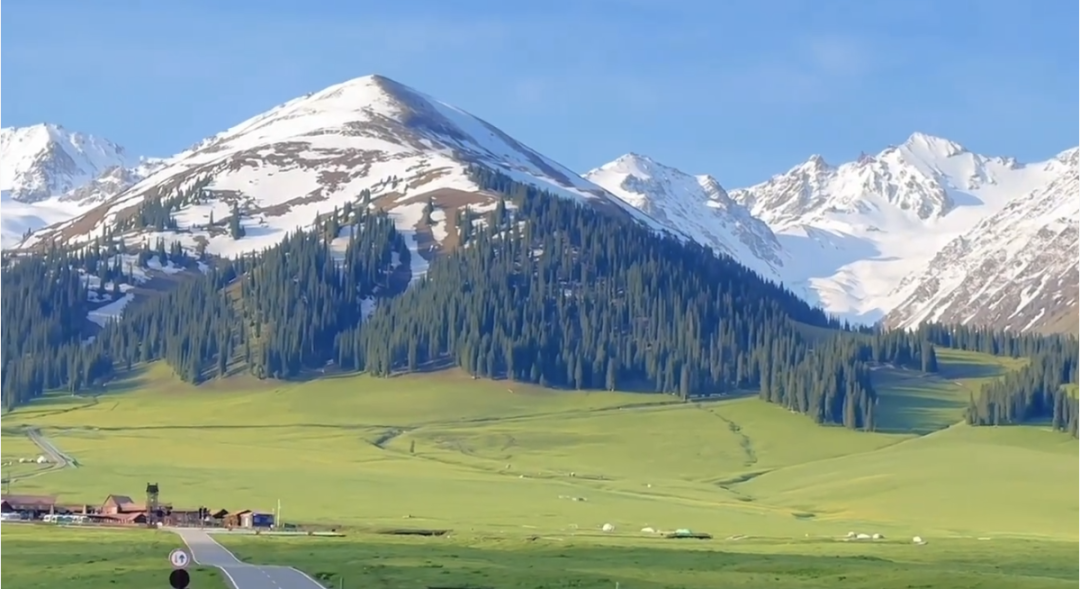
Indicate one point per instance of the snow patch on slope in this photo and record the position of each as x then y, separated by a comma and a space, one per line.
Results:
110, 311
19, 218
696, 206
406, 219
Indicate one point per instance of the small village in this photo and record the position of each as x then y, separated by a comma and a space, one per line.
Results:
122, 510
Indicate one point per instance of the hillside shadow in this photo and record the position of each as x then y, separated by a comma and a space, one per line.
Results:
962, 199
126, 382
914, 402
258, 231
448, 367
969, 370
817, 253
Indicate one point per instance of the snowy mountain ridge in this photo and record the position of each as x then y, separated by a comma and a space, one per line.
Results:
920, 230
697, 206
46, 160
282, 168
923, 179
49, 174
1015, 269
860, 233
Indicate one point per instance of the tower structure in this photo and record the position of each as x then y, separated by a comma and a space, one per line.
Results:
153, 510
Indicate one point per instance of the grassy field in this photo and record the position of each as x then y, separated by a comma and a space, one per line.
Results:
501, 462
375, 563
47, 557
15, 445
44, 557
922, 403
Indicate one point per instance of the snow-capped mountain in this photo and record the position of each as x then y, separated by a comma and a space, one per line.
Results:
46, 160
697, 206
920, 230
1015, 269
315, 153
48, 174
854, 232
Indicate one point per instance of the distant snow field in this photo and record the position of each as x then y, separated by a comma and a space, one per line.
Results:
18, 218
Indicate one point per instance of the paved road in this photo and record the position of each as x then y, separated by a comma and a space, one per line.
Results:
56, 456
206, 551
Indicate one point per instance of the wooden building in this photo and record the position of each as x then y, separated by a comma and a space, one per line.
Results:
181, 517
247, 518
118, 504
133, 518
32, 506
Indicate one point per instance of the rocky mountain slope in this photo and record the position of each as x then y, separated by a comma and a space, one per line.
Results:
697, 206
860, 234
1016, 268
367, 139
49, 174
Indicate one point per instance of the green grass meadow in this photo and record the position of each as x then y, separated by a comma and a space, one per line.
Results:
47, 557
357, 563
525, 477
15, 445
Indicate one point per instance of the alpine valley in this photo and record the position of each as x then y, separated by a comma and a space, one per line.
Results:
371, 227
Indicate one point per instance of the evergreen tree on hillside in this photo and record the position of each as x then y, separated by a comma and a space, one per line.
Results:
236, 229
429, 208
540, 289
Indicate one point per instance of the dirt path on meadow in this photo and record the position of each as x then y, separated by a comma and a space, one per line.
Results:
58, 459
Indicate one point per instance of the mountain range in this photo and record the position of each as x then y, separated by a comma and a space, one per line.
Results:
923, 230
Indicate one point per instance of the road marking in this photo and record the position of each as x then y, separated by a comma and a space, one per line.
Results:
263, 571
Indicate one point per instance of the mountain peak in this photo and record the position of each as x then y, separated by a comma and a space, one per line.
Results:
41, 129
372, 136
933, 146
44, 160
373, 82
637, 165
816, 162
634, 156
49, 173
695, 206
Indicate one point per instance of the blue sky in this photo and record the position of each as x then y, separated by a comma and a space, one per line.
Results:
739, 89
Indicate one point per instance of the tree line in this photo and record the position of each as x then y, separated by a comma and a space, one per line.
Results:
541, 289
1039, 391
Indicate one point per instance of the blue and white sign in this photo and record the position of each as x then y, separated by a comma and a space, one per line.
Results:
179, 559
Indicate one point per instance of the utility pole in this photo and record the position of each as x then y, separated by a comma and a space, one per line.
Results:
279, 524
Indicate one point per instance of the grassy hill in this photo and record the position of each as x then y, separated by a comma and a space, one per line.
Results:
526, 476
487, 456
912, 401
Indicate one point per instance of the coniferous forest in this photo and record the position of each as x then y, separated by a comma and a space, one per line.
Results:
545, 290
